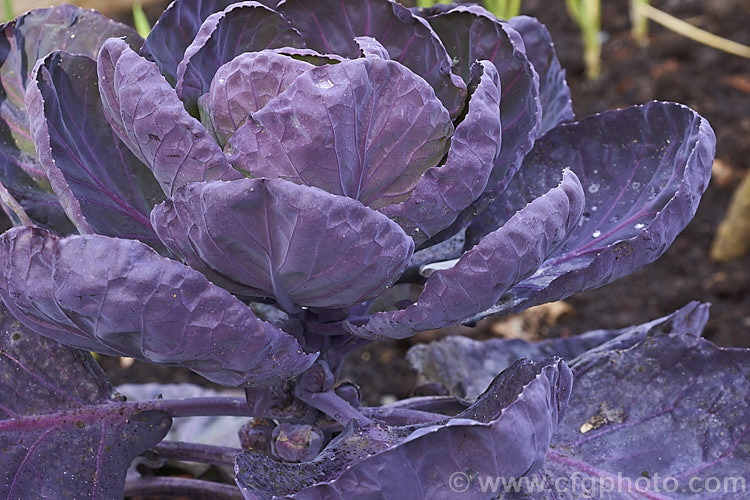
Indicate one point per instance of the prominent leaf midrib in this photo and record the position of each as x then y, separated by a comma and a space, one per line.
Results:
109, 412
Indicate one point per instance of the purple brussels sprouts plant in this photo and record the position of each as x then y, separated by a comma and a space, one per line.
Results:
258, 188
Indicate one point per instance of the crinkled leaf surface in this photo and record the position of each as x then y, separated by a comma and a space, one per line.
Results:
30, 37
445, 190
554, 93
484, 273
241, 27
506, 432
120, 297
102, 186
643, 169
366, 128
34, 35
668, 412
175, 30
243, 86
62, 433
331, 26
297, 244
466, 366
470, 33
146, 114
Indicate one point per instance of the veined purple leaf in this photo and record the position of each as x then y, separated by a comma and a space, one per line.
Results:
34, 35
466, 366
481, 276
445, 190
506, 433
296, 244
62, 432
241, 27
471, 33
643, 169
146, 114
102, 186
175, 30
365, 128
243, 86
331, 26
554, 93
661, 417
119, 297
30, 37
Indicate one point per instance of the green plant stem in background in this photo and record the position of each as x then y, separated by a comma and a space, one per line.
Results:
587, 13
733, 236
8, 11
142, 26
429, 3
641, 12
503, 9
639, 21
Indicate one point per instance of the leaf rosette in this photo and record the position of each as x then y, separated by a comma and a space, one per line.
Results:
258, 185
300, 163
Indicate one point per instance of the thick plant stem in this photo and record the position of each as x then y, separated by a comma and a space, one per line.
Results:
195, 489
201, 407
195, 452
732, 239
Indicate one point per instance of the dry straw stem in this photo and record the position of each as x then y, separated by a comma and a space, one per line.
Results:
733, 237
641, 9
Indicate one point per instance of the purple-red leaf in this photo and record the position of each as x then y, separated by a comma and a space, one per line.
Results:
30, 37
643, 169
244, 86
241, 27
470, 33
506, 433
365, 128
331, 26
655, 416
273, 238
445, 190
101, 185
146, 114
466, 367
63, 434
554, 93
480, 277
119, 297
175, 30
